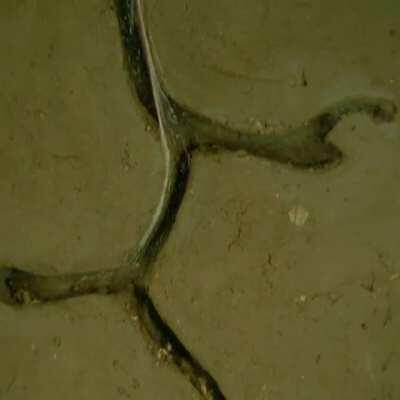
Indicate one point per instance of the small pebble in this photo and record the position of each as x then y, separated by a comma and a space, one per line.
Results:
298, 216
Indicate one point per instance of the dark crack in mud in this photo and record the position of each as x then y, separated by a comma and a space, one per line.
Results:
181, 131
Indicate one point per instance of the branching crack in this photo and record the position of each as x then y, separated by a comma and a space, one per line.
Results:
182, 131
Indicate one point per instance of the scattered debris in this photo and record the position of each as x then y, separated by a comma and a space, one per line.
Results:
163, 353
127, 160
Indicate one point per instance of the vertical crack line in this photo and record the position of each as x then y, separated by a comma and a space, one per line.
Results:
164, 339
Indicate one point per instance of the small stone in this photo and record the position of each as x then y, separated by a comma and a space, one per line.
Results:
259, 126
394, 277
298, 216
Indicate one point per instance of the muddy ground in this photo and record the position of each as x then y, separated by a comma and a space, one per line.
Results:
275, 311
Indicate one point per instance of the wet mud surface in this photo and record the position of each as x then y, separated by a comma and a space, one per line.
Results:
282, 282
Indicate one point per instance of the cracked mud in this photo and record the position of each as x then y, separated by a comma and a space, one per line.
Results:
183, 131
